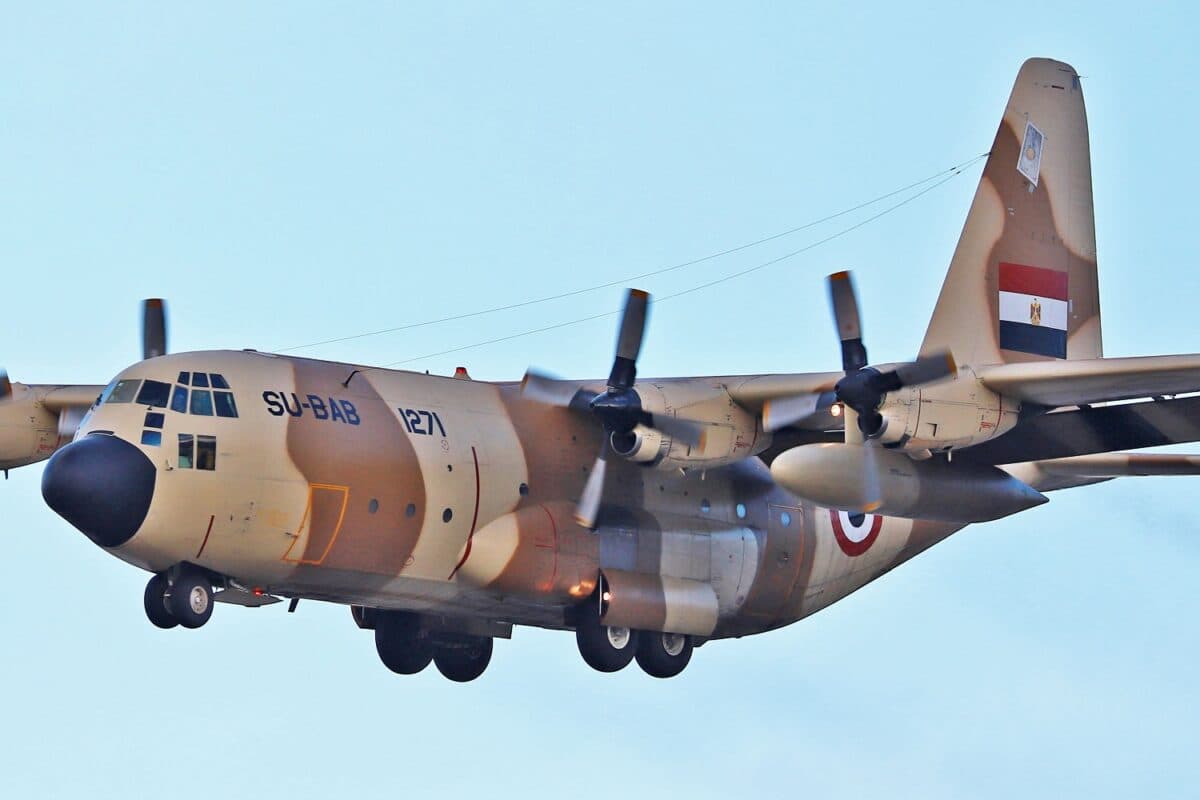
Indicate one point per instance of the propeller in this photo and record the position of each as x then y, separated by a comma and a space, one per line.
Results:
154, 328
618, 408
863, 388
5, 386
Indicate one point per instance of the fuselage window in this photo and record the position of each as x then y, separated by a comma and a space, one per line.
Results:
186, 450
218, 381
154, 393
202, 401
152, 438
123, 391
179, 400
225, 405
200, 379
185, 377
206, 452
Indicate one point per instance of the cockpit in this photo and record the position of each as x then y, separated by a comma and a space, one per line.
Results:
200, 394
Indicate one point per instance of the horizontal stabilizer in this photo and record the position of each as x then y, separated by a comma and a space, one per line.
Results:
1096, 380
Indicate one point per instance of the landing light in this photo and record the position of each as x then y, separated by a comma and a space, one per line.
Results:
836, 409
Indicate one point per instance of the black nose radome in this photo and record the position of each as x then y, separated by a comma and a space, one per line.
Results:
102, 485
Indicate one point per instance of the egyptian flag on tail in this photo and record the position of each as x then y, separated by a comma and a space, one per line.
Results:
1033, 310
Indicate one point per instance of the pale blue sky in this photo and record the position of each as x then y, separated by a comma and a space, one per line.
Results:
291, 172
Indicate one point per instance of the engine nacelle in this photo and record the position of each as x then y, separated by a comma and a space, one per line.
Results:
29, 432
733, 432
957, 413
835, 476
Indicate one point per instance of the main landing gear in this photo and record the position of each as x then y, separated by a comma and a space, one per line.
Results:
406, 648
182, 596
608, 648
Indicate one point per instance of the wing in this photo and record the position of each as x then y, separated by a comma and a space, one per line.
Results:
1096, 380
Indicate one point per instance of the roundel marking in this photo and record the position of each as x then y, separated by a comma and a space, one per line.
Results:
855, 539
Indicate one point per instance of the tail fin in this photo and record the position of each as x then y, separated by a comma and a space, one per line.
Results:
1022, 284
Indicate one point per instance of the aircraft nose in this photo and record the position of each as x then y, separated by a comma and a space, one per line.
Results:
102, 485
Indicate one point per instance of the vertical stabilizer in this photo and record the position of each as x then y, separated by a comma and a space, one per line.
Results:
1022, 284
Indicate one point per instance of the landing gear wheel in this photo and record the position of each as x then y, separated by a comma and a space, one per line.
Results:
663, 655
155, 601
604, 648
191, 599
464, 663
400, 645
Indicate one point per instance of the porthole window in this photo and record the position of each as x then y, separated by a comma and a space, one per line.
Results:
447, 515
410, 510
705, 506
523, 489
741, 510
372, 506
785, 519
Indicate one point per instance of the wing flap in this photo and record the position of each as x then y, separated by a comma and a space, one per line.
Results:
1096, 380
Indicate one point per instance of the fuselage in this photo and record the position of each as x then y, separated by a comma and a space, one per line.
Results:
400, 490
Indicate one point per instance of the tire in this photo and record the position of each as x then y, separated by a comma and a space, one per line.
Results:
464, 663
155, 602
191, 599
400, 645
663, 655
603, 648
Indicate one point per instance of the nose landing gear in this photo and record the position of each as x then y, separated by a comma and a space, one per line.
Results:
180, 596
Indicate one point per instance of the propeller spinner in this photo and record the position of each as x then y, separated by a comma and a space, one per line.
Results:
618, 408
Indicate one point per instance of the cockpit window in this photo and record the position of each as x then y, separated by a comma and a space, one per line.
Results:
202, 401
184, 378
225, 405
186, 450
123, 391
206, 452
200, 379
218, 381
179, 400
154, 393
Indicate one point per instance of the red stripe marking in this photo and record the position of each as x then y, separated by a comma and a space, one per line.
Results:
1036, 281
554, 548
204, 544
474, 519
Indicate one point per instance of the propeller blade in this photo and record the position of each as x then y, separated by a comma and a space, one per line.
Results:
872, 497
542, 388
5, 386
593, 491
927, 369
154, 328
784, 411
690, 432
845, 317
629, 339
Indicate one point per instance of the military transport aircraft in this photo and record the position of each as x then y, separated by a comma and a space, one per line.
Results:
649, 516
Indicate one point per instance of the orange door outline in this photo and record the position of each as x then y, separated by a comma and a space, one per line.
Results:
306, 519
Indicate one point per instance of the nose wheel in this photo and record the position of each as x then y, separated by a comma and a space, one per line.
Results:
155, 600
187, 600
